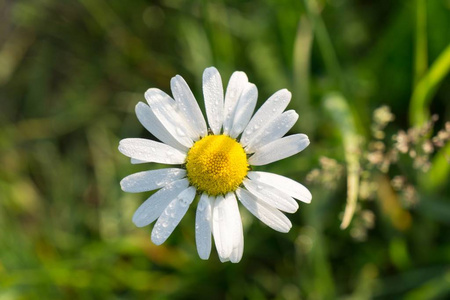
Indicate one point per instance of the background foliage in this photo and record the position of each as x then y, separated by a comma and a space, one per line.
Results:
71, 73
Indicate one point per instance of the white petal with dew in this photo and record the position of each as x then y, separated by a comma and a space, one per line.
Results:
226, 223
150, 122
213, 94
203, 223
272, 108
150, 180
284, 184
137, 161
187, 105
235, 225
165, 109
279, 149
236, 85
153, 207
277, 128
151, 151
271, 196
172, 215
272, 217
224, 259
244, 109
222, 236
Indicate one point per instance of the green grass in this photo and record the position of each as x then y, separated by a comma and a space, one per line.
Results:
71, 73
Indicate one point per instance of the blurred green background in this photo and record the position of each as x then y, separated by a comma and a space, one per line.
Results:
71, 73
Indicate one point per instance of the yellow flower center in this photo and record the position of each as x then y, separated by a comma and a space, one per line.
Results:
216, 164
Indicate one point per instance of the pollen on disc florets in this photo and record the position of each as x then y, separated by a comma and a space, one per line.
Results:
216, 164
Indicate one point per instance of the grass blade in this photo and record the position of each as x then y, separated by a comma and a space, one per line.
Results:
341, 114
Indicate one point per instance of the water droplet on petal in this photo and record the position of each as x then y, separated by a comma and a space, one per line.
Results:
180, 132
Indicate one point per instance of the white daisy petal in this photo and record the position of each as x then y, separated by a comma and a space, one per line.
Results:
172, 215
137, 161
236, 85
226, 225
150, 180
223, 259
271, 196
203, 219
244, 109
152, 208
272, 108
284, 184
236, 228
279, 149
222, 236
151, 151
238, 250
213, 94
155, 127
277, 128
187, 104
165, 110
272, 217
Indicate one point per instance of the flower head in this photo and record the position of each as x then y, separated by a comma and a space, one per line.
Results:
214, 164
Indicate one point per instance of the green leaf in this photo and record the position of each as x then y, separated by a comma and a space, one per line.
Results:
426, 88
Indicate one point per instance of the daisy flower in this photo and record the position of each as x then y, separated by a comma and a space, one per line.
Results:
214, 162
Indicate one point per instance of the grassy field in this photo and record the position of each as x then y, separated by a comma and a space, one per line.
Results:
369, 80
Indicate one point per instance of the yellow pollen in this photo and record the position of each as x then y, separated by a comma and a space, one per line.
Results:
216, 164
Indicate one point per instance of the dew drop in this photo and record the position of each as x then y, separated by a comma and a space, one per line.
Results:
201, 206
180, 132
183, 202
